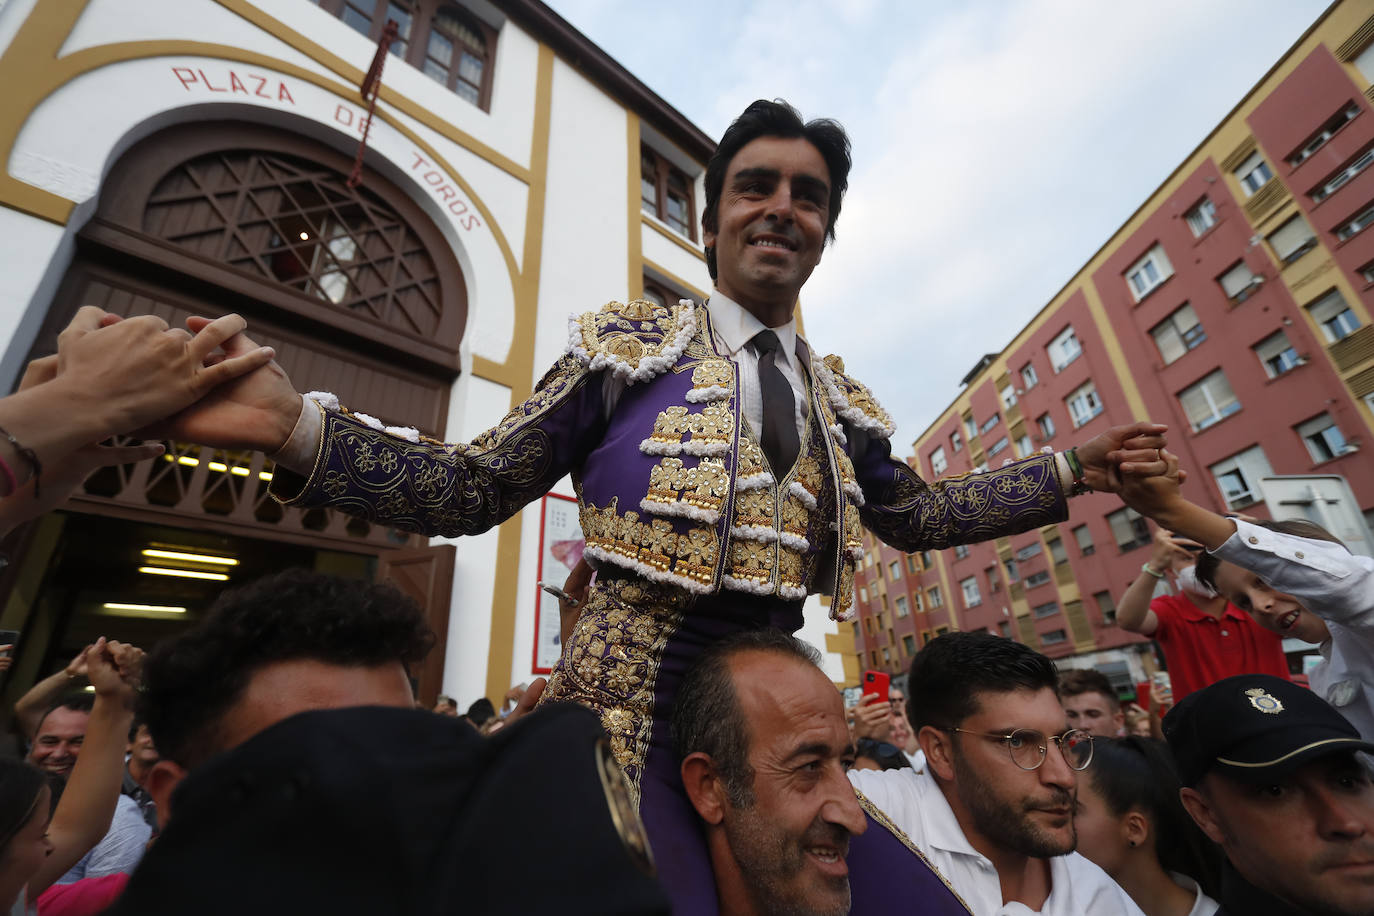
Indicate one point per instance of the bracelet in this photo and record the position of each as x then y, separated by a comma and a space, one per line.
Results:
1080, 486
1147, 568
9, 476
28, 455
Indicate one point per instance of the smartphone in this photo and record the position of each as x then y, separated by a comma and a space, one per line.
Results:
558, 593
877, 682
9, 638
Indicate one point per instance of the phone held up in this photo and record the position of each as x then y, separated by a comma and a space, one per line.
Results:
877, 682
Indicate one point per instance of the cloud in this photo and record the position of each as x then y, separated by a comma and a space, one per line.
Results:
997, 145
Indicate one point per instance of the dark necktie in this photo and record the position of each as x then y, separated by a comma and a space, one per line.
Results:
779, 431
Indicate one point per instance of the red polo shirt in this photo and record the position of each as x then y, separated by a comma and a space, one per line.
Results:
1200, 649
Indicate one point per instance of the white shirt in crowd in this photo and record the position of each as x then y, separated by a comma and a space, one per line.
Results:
1202, 904
1338, 587
915, 804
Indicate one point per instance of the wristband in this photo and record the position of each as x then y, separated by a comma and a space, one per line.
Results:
28, 455
1080, 486
1147, 568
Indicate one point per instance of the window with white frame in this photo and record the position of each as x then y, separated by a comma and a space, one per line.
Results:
1292, 240
1008, 395
902, 609
970, 428
999, 446
1128, 529
1028, 377
1324, 133
863, 593
894, 570
960, 551
972, 597
1048, 609
1064, 349
1277, 355
1013, 571
1323, 438
1364, 62
1238, 282
1024, 447
938, 464
934, 597
1057, 552
993, 584
1208, 401
990, 422
1355, 224
1038, 578
1053, 638
1106, 606
1238, 477
909, 644
917, 601
956, 442
1334, 183
1177, 334
1030, 550
1336, 319
1083, 404
1202, 217
1084, 537
1045, 423
1253, 174
1149, 272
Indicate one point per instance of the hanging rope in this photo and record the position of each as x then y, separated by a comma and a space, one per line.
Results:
371, 87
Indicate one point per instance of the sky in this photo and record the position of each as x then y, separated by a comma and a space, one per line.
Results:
997, 144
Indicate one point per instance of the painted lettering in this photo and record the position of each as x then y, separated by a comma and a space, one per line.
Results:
236, 84
447, 192
343, 115
419, 160
433, 178
471, 222
284, 94
207, 83
262, 81
186, 75
457, 208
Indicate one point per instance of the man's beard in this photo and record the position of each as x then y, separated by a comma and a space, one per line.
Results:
1008, 823
770, 861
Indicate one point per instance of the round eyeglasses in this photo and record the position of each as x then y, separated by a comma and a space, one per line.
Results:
1028, 747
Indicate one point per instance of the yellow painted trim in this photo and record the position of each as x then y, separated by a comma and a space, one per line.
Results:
685, 244
947, 592
674, 278
520, 364
353, 75
1116, 356
634, 241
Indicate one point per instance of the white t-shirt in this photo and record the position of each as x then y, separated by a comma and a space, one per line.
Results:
915, 804
1202, 904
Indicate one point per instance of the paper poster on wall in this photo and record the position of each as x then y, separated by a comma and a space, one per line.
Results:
560, 548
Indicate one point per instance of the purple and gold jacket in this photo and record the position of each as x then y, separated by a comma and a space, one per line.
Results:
671, 482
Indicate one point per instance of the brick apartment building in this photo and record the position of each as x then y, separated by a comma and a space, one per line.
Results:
1233, 305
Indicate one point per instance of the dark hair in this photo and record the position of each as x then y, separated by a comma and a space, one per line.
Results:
776, 119
20, 788
887, 756
480, 711
76, 702
951, 670
192, 680
1207, 563
707, 716
1078, 681
1135, 773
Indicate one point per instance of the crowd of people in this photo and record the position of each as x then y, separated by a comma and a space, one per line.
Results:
688, 754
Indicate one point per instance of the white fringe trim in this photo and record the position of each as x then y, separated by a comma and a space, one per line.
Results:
854, 553
803, 494
648, 366
878, 426
709, 449
650, 447
369, 420
794, 541
754, 482
851, 489
791, 591
408, 433
681, 510
702, 395
746, 585
325, 399
755, 533
647, 571
837, 431
841, 616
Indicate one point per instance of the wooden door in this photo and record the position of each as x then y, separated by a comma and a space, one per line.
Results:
426, 575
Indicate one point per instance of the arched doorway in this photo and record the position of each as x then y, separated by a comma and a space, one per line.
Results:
360, 294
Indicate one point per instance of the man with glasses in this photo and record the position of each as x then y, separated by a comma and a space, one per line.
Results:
993, 810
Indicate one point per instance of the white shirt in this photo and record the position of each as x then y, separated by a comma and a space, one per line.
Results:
915, 803
1338, 587
1202, 904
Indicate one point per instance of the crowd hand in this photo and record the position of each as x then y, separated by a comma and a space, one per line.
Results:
138, 370
77, 666
577, 585
1122, 451
528, 700
6, 656
114, 669
872, 719
1154, 495
1168, 549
